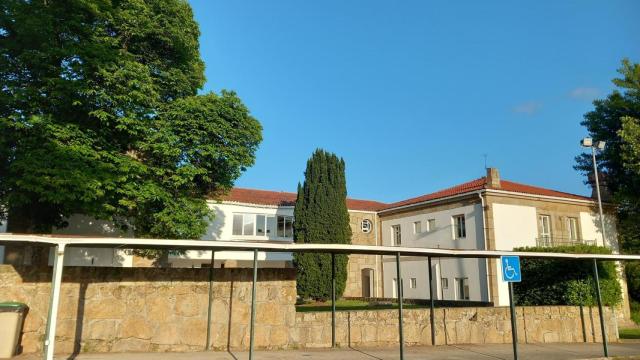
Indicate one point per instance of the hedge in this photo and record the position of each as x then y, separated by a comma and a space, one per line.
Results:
566, 282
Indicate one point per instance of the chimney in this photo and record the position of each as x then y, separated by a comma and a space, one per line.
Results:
604, 189
493, 178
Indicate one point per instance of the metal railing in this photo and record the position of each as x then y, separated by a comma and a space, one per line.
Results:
555, 241
60, 243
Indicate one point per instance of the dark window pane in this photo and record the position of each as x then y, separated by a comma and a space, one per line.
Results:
280, 226
260, 225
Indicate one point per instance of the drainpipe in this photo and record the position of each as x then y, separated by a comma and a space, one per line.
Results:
486, 243
378, 272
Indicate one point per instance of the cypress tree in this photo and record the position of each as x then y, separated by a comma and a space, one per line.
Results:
321, 217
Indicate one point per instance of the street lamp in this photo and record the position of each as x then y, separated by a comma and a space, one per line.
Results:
588, 142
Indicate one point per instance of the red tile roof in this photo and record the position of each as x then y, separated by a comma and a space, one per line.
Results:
281, 198
480, 184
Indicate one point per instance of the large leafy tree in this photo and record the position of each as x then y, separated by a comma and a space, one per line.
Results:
100, 115
321, 217
616, 119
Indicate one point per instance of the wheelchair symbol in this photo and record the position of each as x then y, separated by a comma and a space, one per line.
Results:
510, 272
511, 269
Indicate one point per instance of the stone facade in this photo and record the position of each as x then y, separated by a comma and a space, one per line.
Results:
152, 309
486, 325
363, 267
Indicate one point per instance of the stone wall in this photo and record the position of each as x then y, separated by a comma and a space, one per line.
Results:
152, 309
491, 325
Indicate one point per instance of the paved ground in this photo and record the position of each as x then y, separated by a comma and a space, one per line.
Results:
503, 351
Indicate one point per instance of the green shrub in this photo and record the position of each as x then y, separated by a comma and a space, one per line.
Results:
632, 271
566, 282
635, 311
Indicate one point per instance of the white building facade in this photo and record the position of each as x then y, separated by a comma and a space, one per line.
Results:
486, 213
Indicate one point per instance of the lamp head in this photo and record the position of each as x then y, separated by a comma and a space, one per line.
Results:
587, 142
600, 145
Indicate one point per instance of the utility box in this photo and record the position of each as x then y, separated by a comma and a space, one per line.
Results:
11, 320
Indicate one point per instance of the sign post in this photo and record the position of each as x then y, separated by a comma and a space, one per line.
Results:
511, 273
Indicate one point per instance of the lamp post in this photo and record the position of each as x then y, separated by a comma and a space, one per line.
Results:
588, 143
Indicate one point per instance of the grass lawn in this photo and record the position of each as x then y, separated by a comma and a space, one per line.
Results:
346, 305
632, 333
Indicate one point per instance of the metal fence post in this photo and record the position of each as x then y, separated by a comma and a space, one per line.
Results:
399, 285
432, 314
333, 300
52, 318
253, 303
602, 327
514, 327
209, 309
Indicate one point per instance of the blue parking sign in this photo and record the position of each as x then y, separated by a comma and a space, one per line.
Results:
511, 268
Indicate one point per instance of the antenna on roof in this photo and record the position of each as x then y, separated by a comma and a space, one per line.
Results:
485, 161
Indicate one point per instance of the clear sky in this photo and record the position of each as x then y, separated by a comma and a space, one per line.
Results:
412, 94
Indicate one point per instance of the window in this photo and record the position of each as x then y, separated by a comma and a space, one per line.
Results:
366, 226
271, 225
417, 227
396, 235
262, 225
572, 227
243, 224
544, 221
462, 288
431, 224
445, 283
249, 223
237, 224
413, 283
459, 227
260, 230
285, 226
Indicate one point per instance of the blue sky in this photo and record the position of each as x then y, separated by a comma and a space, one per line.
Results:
413, 93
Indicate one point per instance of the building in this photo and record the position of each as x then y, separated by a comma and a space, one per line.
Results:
485, 213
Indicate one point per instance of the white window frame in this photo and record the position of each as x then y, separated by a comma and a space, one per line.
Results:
417, 227
269, 219
287, 219
544, 221
459, 227
396, 230
431, 225
413, 283
573, 231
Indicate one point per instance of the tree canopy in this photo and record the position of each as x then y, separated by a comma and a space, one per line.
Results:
616, 120
100, 115
321, 217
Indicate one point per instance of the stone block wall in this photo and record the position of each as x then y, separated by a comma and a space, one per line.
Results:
487, 325
156, 310
152, 309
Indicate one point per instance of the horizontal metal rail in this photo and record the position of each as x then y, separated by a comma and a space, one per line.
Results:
218, 245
